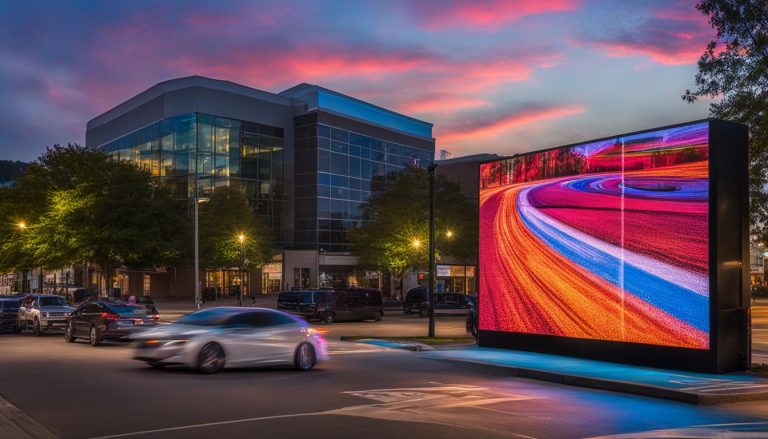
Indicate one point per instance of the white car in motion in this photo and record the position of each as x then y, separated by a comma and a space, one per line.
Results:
215, 338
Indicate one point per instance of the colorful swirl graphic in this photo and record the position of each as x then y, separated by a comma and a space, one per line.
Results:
604, 241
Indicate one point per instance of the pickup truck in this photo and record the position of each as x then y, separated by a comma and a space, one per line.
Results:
42, 312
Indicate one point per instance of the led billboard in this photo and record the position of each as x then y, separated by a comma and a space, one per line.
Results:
607, 240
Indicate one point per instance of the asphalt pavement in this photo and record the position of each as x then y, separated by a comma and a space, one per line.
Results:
78, 391
73, 390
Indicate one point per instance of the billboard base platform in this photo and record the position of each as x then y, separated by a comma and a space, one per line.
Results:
690, 387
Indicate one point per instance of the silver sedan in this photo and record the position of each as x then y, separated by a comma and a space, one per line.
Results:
215, 338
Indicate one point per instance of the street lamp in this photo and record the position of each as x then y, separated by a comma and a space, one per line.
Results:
23, 226
416, 243
449, 234
241, 238
431, 169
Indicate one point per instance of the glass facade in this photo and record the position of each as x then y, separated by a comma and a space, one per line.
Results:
225, 152
335, 172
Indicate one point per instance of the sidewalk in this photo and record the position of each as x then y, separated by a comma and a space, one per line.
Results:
696, 388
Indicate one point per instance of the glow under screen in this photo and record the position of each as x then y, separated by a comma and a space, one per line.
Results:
604, 240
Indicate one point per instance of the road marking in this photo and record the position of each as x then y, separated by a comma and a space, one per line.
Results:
412, 405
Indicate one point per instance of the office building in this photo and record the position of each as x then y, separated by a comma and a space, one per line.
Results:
306, 157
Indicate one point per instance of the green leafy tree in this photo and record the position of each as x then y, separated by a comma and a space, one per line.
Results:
223, 219
733, 70
79, 204
396, 238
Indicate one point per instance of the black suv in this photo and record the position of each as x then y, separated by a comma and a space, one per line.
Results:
457, 304
9, 312
332, 306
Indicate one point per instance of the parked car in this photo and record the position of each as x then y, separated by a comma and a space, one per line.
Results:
416, 300
149, 304
331, 306
472, 322
42, 312
80, 295
106, 319
9, 312
215, 338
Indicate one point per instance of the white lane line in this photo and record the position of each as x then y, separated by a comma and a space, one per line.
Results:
209, 424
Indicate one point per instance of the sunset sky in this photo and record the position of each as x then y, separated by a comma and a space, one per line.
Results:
493, 76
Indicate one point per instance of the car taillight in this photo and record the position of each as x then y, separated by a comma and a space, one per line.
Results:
155, 316
110, 316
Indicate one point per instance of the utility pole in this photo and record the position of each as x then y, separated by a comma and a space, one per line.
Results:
431, 168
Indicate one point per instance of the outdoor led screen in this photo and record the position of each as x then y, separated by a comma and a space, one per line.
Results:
605, 240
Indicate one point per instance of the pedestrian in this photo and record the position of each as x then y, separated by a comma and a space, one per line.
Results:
239, 296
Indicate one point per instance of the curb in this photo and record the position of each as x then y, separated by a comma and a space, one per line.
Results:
614, 385
15, 424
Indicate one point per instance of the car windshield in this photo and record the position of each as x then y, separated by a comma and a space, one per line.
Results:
208, 317
53, 301
129, 310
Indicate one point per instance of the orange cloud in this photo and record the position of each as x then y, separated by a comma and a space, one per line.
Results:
517, 119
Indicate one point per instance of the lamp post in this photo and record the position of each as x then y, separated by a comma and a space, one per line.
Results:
241, 238
431, 169
197, 243
23, 226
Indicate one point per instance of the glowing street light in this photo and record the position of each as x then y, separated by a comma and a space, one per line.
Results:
241, 238
416, 243
22, 225
449, 234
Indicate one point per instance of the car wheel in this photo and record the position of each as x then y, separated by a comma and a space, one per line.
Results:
379, 316
423, 312
69, 333
38, 328
328, 318
305, 357
211, 358
94, 337
17, 329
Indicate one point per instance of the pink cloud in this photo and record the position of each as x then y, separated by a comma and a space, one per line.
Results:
489, 14
675, 35
441, 103
517, 119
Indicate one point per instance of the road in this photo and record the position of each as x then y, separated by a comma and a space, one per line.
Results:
77, 391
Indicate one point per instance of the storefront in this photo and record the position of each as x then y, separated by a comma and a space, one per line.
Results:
272, 277
451, 279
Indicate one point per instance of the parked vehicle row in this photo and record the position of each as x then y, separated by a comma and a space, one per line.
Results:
331, 306
417, 301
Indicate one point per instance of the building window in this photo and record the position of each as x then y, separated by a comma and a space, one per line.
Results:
147, 285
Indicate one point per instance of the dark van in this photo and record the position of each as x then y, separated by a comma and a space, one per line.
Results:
331, 306
416, 300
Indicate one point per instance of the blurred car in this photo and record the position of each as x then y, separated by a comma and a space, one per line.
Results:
417, 300
331, 306
9, 312
82, 295
106, 319
212, 339
42, 312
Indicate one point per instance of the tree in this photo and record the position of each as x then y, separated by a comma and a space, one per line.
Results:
734, 71
397, 236
79, 204
225, 217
